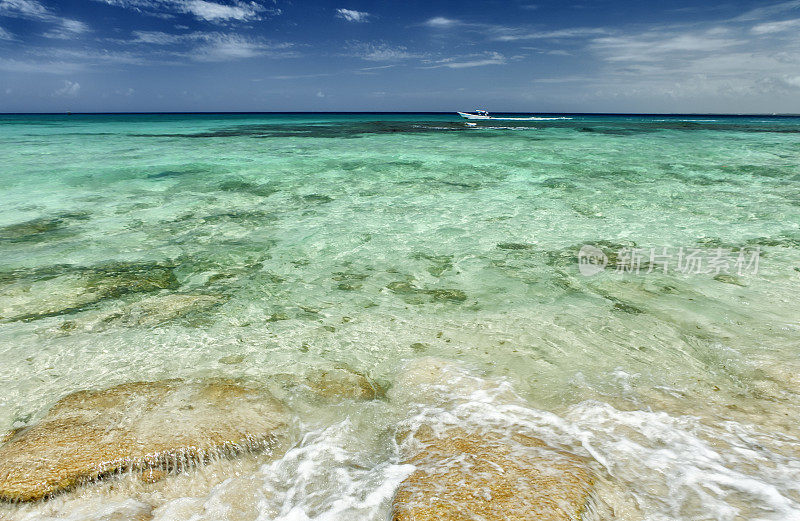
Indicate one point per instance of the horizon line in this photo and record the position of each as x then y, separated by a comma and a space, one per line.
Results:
101, 113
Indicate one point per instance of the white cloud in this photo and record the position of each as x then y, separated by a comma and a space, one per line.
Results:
776, 27
351, 15
299, 76
157, 37
5, 35
658, 46
69, 90
377, 67
213, 12
320, 94
225, 47
25, 9
379, 51
723, 61
442, 22
760, 13
68, 29
33, 10
216, 46
471, 60
509, 34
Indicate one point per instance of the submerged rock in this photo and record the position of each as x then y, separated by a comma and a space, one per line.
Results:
439, 264
167, 425
238, 185
318, 198
158, 309
58, 290
39, 229
342, 383
333, 384
151, 311
463, 476
515, 246
413, 293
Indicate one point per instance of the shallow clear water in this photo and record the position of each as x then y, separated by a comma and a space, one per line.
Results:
375, 240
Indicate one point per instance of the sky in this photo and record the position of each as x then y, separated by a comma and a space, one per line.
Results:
675, 56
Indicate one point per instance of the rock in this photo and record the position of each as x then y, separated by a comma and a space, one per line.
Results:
158, 309
730, 279
409, 290
147, 312
152, 476
40, 229
167, 425
127, 510
342, 383
333, 384
454, 295
231, 359
433, 379
318, 198
483, 466
29, 230
58, 290
464, 476
515, 246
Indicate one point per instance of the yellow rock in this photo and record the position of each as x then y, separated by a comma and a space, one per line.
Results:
332, 384
342, 382
467, 476
167, 425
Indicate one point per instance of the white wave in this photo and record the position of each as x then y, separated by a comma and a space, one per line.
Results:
670, 467
324, 478
532, 118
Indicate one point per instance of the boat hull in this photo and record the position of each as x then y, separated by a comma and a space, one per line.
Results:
467, 115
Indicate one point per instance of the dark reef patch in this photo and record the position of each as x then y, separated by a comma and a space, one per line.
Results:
515, 246
317, 198
438, 263
349, 281
569, 256
31, 294
41, 229
237, 185
416, 295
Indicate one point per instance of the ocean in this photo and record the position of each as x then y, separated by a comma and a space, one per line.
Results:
623, 287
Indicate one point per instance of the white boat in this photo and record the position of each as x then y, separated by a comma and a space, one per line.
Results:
477, 114
482, 114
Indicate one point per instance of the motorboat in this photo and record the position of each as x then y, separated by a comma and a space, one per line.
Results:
476, 114
481, 114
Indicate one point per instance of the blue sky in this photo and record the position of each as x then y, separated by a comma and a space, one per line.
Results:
528, 56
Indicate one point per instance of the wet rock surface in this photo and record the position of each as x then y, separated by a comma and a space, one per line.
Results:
58, 290
166, 426
333, 384
150, 311
465, 475
475, 461
416, 295
40, 229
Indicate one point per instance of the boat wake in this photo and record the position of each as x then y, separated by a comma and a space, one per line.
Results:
526, 119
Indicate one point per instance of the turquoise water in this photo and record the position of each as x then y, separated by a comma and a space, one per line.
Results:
375, 240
